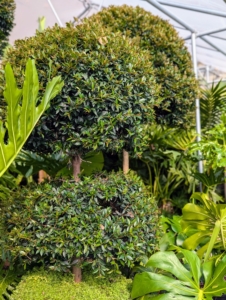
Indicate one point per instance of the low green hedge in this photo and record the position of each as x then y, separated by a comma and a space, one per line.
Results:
43, 285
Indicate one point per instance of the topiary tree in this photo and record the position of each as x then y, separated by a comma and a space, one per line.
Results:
108, 220
109, 92
170, 57
7, 8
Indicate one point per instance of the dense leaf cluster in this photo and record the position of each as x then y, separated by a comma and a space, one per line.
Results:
7, 8
50, 285
170, 57
108, 221
109, 87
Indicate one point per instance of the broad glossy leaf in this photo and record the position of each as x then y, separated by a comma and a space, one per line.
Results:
203, 282
23, 111
205, 224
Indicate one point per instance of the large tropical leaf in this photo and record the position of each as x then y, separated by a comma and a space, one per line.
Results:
24, 109
205, 225
196, 282
212, 105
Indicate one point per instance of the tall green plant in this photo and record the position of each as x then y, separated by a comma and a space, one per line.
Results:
24, 109
212, 105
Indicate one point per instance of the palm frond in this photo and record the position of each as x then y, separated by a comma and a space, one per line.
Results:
212, 105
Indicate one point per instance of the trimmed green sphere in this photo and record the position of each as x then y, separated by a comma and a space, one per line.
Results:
109, 92
170, 57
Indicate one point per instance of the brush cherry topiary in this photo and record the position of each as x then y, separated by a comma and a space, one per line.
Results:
7, 8
109, 88
109, 221
170, 57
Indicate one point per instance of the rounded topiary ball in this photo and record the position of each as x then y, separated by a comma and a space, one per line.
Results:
109, 221
109, 88
170, 57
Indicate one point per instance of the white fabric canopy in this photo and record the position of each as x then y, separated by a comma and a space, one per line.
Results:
189, 14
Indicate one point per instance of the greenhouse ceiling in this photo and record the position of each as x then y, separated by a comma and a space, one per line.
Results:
206, 19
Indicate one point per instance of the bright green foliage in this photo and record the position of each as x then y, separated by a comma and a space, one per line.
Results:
109, 92
205, 225
170, 57
7, 8
212, 105
23, 111
109, 220
196, 281
213, 145
42, 285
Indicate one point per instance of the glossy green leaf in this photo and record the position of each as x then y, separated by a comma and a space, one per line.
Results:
23, 111
184, 284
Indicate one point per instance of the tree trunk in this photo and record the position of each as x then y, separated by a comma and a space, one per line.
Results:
76, 165
77, 272
125, 162
42, 175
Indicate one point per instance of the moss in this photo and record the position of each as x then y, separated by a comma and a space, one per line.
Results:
43, 285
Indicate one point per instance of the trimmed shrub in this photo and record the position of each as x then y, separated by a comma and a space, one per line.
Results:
108, 221
44, 285
109, 88
7, 8
170, 57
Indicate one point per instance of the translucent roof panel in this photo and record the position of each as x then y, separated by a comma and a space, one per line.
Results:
205, 17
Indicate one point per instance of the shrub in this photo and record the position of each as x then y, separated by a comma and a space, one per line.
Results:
109, 88
108, 221
43, 285
7, 8
170, 57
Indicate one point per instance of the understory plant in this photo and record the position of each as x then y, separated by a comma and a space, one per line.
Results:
42, 285
197, 273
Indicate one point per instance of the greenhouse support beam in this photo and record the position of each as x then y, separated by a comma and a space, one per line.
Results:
157, 5
193, 8
213, 45
197, 102
55, 13
207, 33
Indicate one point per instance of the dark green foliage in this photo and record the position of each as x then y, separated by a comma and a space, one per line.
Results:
42, 285
108, 221
7, 8
170, 57
109, 90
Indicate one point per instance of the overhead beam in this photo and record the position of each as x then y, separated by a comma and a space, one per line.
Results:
55, 13
160, 7
209, 32
194, 8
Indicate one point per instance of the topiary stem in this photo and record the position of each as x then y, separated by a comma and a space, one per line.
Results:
76, 165
77, 271
125, 162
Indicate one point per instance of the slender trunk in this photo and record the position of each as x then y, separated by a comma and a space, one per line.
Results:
76, 165
125, 162
42, 175
77, 272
